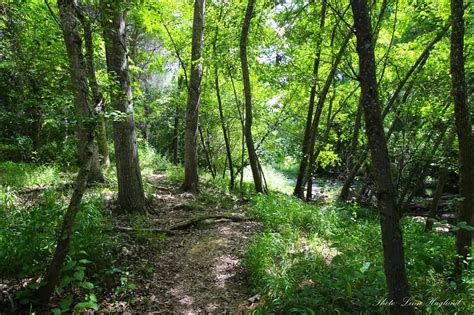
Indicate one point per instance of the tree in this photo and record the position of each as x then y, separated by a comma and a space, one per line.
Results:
299, 186
80, 86
97, 97
464, 132
131, 196
191, 179
67, 9
253, 158
394, 258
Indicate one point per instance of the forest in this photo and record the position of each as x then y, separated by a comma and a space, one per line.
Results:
236, 156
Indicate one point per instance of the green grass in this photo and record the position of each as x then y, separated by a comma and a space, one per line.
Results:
19, 175
310, 259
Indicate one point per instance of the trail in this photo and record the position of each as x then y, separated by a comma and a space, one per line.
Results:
194, 271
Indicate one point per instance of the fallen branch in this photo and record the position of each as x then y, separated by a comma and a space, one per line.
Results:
186, 224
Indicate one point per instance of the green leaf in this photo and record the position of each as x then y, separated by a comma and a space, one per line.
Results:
56, 311
66, 303
64, 282
79, 275
87, 285
87, 305
85, 261
70, 265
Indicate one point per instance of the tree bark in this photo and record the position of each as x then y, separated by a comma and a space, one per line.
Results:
394, 260
101, 133
80, 87
131, 196
465, 138
253, 159
191, 179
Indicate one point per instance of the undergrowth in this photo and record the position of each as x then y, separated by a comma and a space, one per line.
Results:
328, 259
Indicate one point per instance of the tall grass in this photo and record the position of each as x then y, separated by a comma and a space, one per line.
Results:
328, 259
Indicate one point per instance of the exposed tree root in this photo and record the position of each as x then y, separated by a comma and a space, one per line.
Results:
186, 224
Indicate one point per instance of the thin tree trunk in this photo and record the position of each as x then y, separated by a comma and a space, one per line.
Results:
421, 171
80, 86
131, 196
465, 138
418, 65
257, 176
355, 134
177, 115
225, 132
300, 180
175, 140
315, 155
206, 153
64, 240
78, 76
101, 133
242, 143
442, 178
319, 109
394, 260
191, 179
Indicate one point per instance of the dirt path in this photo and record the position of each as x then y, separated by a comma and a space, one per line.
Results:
194, 271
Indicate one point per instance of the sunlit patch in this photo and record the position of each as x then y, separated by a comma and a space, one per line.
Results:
224, 268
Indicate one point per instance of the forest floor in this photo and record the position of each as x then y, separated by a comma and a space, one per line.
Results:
191, 271
211, 252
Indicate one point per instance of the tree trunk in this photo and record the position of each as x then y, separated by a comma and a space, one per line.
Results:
78, 77
80, 87
240, 111
442, 178
253, 159
418, 65
355, 134
319, 109
315, 155
464, 132
394, 260
130, 187
225, 132
175, 140
419, 172
300, 180
190, 183
206, 153
101, 133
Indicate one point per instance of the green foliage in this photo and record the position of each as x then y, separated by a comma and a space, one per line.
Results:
329, 259
20, 175
28, 232
150, 161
